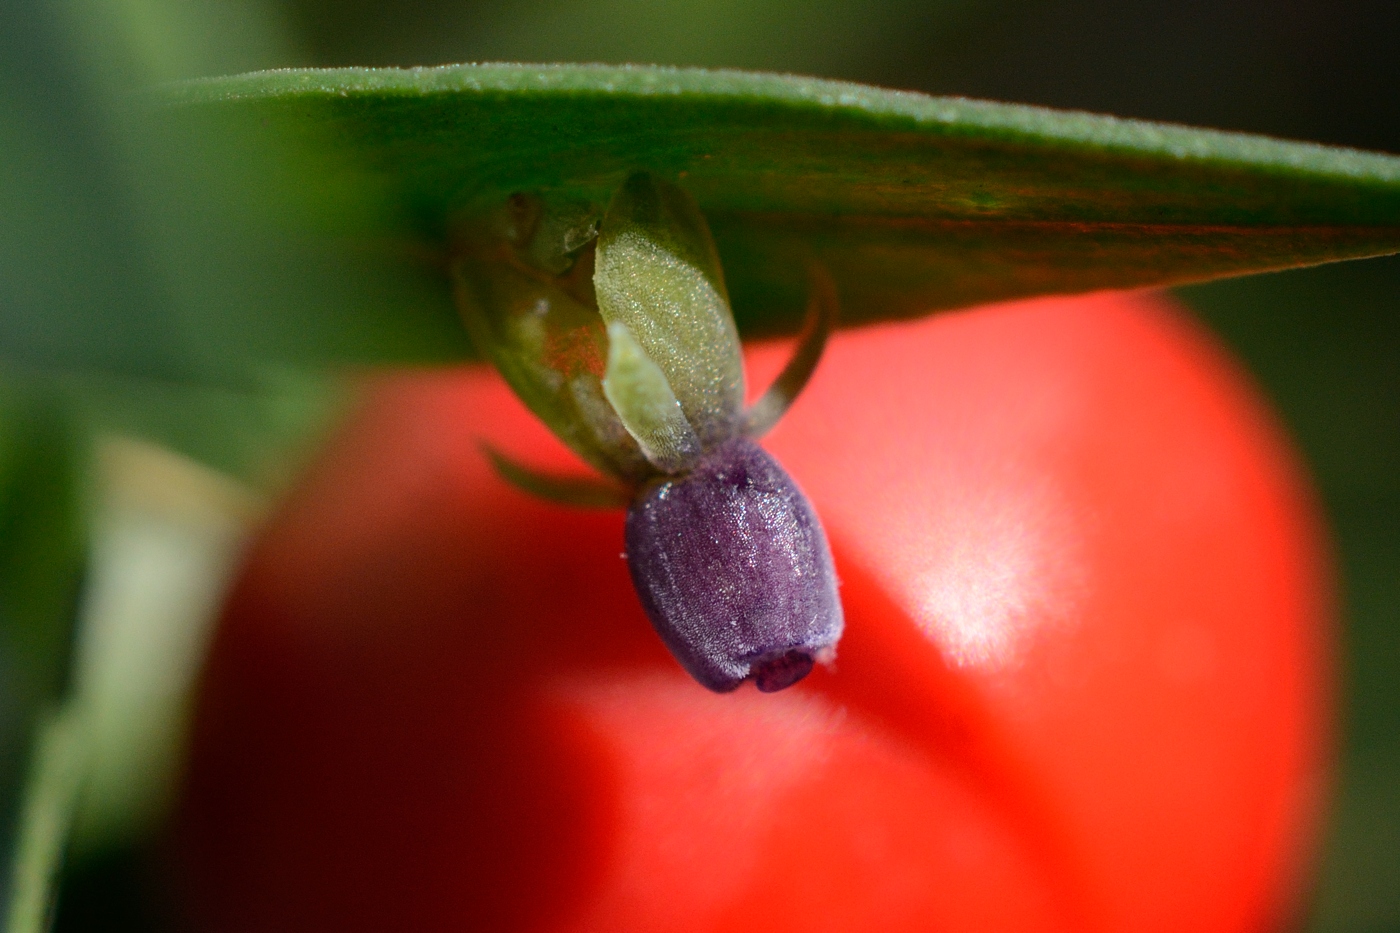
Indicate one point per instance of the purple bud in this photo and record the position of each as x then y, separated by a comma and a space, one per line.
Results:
732, 567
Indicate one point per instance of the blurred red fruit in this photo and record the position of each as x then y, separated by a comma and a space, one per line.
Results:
1083, 686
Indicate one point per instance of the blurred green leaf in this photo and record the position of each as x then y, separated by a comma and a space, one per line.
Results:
166, 537
1323, 342
258, 434
914, 203
42, 555
74, 281
133, 260
41, 536
42, 551
46, 817
195, 253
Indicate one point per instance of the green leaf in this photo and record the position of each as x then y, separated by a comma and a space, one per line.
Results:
42, 555
166, 538
46, 818
259, 434
195, 252
913, 203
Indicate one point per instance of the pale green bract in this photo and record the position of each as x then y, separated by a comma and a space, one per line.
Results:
642, 398
658, 272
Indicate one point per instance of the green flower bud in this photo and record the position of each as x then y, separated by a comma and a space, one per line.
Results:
657, 272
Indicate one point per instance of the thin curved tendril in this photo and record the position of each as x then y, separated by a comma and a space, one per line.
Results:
821, 317
582, 491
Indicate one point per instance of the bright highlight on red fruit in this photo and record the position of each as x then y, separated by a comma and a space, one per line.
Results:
1083, 683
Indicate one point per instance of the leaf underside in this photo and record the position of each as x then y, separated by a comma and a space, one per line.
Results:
913, 203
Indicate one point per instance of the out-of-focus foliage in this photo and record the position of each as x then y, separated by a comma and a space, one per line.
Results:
198, 252
104, 222
56, 774
41, 559
1324, 343
165, 535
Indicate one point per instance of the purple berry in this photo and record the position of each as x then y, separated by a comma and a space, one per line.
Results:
733, 568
